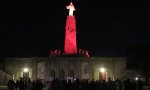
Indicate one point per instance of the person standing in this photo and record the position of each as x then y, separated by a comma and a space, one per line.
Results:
11, 85
21, 84
39, 85
139, 85
17, 84
117, 85
110, 84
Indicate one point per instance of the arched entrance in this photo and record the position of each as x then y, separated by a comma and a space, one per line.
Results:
62, 74
102, 74
71, 73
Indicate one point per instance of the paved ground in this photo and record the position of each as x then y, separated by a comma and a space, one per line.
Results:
5, 88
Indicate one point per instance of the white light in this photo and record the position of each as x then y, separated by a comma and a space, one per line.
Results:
25, 69
136, 78
102, 69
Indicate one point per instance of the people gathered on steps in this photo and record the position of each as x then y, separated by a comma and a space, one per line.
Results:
77, 84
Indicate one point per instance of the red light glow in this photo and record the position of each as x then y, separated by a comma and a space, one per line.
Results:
70, 45
70, 37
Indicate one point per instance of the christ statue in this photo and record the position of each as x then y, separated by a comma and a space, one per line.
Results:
71, 9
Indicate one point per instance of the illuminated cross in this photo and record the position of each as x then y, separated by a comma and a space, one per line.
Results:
71, 9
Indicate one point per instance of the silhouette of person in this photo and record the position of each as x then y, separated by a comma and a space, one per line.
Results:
110, 84
17, 84
117, 85
11, 85
140, 85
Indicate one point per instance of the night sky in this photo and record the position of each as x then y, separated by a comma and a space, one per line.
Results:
31, 28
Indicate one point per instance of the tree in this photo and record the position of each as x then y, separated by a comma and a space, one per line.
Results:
138, 57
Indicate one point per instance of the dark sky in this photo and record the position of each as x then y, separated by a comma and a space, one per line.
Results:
104, 27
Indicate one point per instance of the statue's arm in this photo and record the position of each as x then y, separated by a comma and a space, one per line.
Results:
67, 7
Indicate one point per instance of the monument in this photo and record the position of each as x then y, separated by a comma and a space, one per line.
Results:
70, 45
67, 64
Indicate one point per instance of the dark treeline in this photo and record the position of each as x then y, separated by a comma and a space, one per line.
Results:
137, 58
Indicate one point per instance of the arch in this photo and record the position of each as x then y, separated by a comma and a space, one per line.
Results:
71, 73
62, 74
52, 73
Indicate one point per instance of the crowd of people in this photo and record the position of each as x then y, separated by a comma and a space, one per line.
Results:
96, 85
24, 84
77, 84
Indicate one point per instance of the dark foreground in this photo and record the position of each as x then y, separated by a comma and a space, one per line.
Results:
5, 88
56, 84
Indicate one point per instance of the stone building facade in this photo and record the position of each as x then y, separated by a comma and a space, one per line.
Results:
64, 67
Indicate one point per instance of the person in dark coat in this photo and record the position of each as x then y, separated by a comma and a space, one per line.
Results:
39, 85
17, 84
117, 85
63, 85
133, 85
92, 85
110, 84
69, 85
139, 85
76, 84
33, 85
104, 85
21, 84
127, 84
11, 85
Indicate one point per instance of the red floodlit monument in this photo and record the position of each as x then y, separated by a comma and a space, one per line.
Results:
70, 47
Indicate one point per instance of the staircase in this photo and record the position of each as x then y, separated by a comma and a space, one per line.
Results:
4, 77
